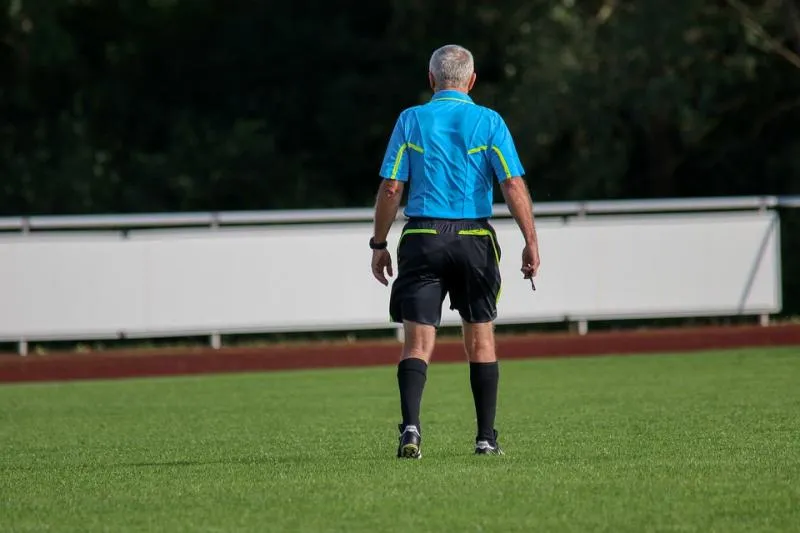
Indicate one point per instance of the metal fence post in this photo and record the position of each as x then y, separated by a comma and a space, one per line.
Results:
216, 341
22, 347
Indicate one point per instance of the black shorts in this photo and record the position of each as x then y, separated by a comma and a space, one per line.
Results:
439, 257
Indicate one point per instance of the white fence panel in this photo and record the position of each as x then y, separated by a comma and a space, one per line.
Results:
63, 287
295, 278
273, 279
647, 266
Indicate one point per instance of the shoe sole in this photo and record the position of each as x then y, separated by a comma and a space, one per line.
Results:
480, 451
410, 451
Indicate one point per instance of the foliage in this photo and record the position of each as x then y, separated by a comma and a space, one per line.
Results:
168, 105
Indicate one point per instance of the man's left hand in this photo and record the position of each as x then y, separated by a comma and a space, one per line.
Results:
382, 265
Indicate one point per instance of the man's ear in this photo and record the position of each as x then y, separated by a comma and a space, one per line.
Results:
472, 81
431, 81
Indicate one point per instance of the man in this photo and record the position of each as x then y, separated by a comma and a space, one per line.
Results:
449, 151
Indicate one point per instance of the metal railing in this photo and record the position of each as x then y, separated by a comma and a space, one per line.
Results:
11, 226
233, 218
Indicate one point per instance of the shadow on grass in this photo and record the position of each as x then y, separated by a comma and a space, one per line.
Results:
265, 460
306, 461
181, 463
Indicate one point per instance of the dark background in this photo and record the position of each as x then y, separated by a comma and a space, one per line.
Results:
165, 105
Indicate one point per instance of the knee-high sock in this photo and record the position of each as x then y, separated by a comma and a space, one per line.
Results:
411, 377
484, 378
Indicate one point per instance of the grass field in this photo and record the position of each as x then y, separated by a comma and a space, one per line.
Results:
701, 442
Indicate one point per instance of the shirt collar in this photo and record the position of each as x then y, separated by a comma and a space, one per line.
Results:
450, 94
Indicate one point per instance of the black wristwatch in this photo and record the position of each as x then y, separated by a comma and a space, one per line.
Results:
377, 245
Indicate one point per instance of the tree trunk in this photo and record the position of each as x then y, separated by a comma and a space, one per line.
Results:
662, 158
792, 10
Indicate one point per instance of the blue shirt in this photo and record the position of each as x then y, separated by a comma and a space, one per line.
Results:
450, 150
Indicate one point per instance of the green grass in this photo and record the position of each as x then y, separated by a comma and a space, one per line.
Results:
700, 442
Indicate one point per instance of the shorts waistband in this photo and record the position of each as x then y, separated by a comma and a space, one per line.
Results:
450, 220
446, 225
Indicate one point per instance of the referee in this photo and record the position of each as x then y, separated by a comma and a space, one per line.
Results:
449, 151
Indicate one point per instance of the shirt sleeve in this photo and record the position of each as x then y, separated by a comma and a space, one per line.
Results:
395, 161
503, 153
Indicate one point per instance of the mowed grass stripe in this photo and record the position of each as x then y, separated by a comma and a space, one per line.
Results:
693, 442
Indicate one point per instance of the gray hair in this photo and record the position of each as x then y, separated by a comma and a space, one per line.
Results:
451, 66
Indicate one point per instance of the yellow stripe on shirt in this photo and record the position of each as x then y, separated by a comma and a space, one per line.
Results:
453, 100
477, 149
502, 161
399, 159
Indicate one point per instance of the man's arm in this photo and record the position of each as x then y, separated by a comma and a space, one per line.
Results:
518, 199
394, 171
386, 205
509, 171
519, 203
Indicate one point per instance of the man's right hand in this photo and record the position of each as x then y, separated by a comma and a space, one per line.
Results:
519, 203
382, 265
530, 260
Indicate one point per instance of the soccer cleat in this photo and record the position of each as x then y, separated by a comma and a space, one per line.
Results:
485, 447
410, 441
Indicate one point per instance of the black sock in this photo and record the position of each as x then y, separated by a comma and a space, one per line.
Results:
483, 377
411, 376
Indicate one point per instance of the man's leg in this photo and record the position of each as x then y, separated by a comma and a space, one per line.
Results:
416, 302
413, 367
412, 373
484, 376
474, 290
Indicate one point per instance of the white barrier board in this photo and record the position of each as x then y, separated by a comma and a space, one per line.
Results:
299, 278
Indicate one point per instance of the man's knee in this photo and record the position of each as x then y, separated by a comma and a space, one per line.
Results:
482, 352
419, 340
479, 342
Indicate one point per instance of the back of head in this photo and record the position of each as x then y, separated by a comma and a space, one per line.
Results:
452, 67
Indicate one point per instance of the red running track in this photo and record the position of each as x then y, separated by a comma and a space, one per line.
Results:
171, 362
